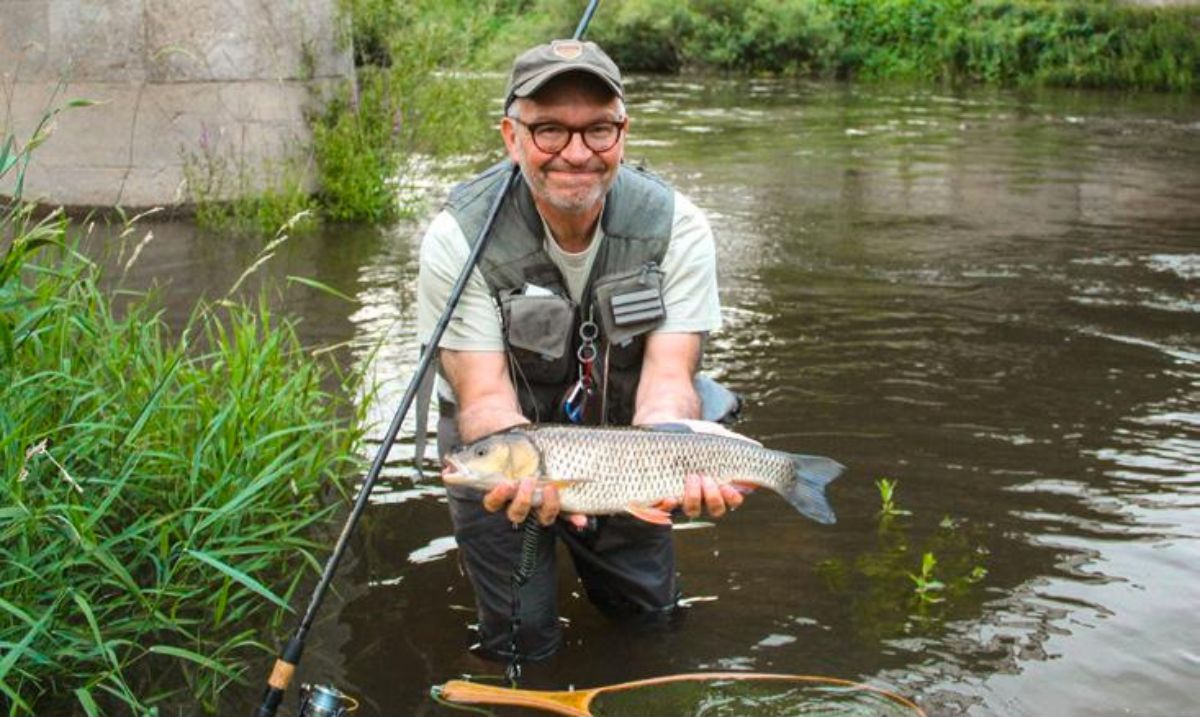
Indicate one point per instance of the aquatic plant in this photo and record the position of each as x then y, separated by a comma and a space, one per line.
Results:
927, 587
887, 499
158, 483
886, 597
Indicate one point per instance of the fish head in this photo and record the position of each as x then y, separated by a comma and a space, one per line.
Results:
501, 458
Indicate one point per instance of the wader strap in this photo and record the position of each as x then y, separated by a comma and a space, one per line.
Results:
424, 396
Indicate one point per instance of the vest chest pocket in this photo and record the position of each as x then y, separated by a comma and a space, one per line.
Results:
630, 305
538, 332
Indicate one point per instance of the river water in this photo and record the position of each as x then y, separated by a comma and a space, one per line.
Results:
989, 297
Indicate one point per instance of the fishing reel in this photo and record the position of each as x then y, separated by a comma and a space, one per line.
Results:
325, 701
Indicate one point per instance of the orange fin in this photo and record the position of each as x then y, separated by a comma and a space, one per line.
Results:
744, 487
649, 514
561, 483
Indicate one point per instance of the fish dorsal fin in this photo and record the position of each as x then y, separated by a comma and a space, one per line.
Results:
714, 429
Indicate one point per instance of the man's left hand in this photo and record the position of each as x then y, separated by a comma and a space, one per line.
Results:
702, 493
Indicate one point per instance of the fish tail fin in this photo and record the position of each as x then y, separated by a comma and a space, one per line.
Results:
807, 490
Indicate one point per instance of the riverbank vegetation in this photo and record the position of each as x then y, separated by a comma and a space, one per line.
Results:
1072, 43
159, 483
430, 73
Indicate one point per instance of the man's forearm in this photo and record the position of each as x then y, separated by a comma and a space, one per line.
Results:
482, 419
666, 391
683, 403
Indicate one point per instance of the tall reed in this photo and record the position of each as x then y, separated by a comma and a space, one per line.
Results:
157, 486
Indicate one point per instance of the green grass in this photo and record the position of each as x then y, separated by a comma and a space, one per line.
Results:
157, 485
234, 196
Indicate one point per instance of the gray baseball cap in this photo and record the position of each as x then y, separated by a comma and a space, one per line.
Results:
537, 66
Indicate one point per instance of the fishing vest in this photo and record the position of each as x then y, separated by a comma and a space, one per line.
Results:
541, 324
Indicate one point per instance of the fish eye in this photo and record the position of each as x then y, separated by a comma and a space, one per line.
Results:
481, 451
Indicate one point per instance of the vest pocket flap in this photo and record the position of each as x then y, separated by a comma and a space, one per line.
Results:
540, 324
630, 303
637, 306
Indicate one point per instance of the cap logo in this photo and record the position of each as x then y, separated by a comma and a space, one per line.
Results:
567, 50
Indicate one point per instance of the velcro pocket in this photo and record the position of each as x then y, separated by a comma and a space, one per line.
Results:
539, 333
630, 303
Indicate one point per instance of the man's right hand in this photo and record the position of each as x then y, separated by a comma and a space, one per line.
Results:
519, 499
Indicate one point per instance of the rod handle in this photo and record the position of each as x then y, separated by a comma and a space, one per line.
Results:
281, 677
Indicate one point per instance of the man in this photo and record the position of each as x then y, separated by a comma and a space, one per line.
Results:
589, 306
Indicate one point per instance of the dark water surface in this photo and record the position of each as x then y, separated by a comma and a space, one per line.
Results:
991, 298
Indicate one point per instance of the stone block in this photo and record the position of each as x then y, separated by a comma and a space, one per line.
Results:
174, 81
25, 41
98, 135
228, 40
98, 40
198, 118
152, 186
80, 187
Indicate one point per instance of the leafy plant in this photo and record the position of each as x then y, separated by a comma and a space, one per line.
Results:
887, 499
927, 587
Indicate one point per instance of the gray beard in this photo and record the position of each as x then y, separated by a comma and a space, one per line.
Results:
565, 204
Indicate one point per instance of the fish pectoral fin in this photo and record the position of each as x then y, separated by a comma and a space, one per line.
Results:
649, 514
561, 483
744, 487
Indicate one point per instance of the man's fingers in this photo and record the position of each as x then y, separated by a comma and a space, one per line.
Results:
550, 505
518, 509
579, 520
692, 490
667, 505
713, 501
733, 497
497, 497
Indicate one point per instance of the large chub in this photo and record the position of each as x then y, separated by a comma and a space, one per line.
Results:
806, 492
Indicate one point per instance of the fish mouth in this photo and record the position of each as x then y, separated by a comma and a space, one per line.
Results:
455, 473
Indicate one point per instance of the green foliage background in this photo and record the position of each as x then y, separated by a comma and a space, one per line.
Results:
430, 72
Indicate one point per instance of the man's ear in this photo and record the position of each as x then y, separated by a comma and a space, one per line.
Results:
508, 130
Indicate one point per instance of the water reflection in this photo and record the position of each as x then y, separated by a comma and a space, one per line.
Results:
990, 297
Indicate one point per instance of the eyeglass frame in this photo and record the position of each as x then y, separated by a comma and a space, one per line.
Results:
622, 125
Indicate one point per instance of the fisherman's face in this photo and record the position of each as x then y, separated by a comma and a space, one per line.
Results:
575, 179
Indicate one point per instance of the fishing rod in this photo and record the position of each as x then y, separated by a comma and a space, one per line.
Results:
285, 665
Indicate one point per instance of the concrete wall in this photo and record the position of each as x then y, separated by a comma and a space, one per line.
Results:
174, 79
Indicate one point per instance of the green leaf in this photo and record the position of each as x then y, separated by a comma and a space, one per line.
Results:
84, 695
195, 657
239, 576
10, 659
319, 286
7, 156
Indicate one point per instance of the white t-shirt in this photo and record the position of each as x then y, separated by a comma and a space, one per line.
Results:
689, 289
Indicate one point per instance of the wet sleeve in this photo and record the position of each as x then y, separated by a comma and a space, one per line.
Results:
475, 325
690, 265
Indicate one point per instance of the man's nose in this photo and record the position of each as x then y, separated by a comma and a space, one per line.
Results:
576, 152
